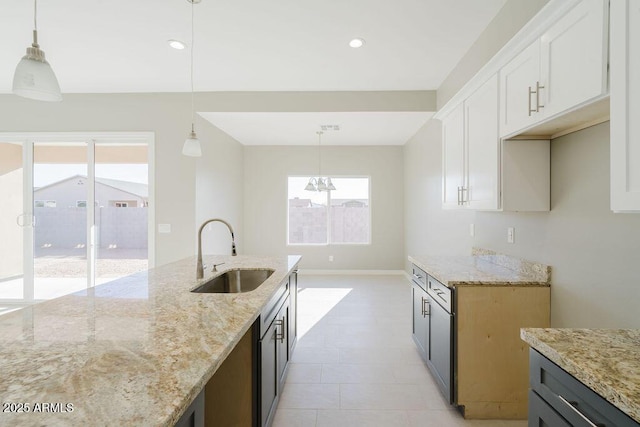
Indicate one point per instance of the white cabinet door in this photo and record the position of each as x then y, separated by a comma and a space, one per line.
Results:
517, 81
453, 170
483, 143
625, 105
573, 58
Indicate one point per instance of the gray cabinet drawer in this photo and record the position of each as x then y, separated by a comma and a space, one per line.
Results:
439, 293
570, 398
543, 415
419, 277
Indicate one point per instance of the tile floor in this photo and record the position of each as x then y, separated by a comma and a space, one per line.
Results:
355, 363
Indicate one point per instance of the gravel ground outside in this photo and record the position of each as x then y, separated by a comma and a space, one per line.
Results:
111, 263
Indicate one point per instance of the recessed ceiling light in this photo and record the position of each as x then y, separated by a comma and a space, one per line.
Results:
176, 44
356, 43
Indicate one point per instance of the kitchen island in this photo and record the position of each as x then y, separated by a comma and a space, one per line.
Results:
135, 351
605, 361
467, 315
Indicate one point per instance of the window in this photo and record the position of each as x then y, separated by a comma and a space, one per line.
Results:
81, 204
341, 216
44, 203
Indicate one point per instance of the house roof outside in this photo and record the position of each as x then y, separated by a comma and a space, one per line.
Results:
135, 188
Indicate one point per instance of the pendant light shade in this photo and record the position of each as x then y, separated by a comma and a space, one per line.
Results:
192, 146
311, 186
330, 185
34, 78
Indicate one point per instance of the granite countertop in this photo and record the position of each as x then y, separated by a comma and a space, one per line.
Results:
484, 267
605, 360
135, 351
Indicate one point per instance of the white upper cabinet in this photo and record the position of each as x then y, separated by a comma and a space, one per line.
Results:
483, 147
517, 81
625, 105
573, 57
484, 173
563, 69
453, 169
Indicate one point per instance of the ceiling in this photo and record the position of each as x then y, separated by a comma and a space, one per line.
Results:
116, 46
357, 128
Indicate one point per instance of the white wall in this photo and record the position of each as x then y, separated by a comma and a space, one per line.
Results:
594, 253
266, 172
168, 115
429, 229
220, 191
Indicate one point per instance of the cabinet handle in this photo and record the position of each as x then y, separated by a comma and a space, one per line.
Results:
538, 106
461, 200
534, 110
425, 307
280, 336
537, 92
573, 405
417, 276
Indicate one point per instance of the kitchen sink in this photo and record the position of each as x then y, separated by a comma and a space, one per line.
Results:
235, 281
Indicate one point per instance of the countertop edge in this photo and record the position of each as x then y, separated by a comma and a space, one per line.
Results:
603, 389
455, 282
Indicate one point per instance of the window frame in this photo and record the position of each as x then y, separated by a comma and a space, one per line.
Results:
328, 208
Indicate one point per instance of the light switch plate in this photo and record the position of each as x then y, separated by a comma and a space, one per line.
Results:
164, 228
511, 235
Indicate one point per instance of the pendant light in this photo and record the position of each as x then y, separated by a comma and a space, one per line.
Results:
34, 78
319, 183
192, 144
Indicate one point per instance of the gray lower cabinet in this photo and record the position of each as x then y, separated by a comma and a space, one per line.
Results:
557, 398
293, 315
194, 415
268, 374
420, 319
274, 352
440, 355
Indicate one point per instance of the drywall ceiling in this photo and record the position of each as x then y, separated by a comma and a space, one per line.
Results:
120, 46
355, 128
112, 46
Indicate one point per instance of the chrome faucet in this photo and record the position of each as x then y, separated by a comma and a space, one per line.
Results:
200, 268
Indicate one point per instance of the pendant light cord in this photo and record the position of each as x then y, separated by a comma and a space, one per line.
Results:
319, 154
193, 114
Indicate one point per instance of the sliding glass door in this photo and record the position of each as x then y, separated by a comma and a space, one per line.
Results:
121, 209
75, 214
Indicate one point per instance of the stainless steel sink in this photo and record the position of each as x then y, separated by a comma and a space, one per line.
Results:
235, 281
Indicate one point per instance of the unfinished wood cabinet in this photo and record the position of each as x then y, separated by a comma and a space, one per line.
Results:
491, 361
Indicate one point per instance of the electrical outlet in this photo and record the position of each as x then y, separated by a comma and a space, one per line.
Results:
472, 230
164, 228
511, 235
330, 258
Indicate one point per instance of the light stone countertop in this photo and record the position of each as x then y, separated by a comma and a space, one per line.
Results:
483, 268
135, 351
605, 360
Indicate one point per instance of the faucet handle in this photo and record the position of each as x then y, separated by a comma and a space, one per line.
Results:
215, 265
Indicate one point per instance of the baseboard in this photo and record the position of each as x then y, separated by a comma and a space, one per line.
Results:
314, 272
